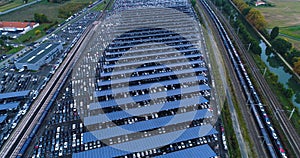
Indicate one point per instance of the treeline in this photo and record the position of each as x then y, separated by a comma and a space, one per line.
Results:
69, 9
57, 1
242, 30
252, 15
282, 46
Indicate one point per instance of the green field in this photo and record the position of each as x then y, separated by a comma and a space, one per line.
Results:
293, 31
12, 4
285, 15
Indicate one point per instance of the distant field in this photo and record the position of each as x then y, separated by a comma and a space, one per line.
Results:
285, 15
291, 31
4, 5
49, 9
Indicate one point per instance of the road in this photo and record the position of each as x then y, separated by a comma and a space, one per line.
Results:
286, 126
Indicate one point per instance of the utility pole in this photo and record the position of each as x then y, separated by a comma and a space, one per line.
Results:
265, 71
292, 113
249, 46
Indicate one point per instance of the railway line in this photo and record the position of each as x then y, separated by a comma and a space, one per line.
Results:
21, 137
286, 126
241, 99
271, 140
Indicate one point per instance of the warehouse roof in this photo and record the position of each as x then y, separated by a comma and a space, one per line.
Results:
38, 53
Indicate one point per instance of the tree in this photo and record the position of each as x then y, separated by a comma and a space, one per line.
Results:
281, 46
37, 32
246, 11
297, 66
256, 19
288, 93
274, 33
40, 18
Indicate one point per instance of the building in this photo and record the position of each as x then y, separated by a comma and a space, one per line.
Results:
259, 2
34, 59
17, 27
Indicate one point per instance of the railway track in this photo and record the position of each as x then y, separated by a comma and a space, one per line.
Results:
26, 126
250, 122
269, 134
286, 126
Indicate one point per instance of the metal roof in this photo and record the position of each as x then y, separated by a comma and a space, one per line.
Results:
202, 151
133, 99
38, 53
14, 94
3, 117
144, 125
151, 142
9, 106
149, 85
156, 75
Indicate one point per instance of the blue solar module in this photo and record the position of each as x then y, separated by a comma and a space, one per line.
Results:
9, 106
126, 56
2, 118
148, 142
142, 110
14, 94
152, 44
202, 151
152, 35
149, 85
144, 125
95, 106
143, 77
148, 43
138, 69
159, 60
134, 99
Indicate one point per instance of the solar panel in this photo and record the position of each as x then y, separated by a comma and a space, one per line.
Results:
2, 118
14, 94
188, 101
134, 99
143, 110
9, 106
160, 60
152, 142
143, 77
148, 85
144, 125
202, 151
138, 69
126, 56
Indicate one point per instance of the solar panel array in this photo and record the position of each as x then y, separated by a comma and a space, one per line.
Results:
152, 85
